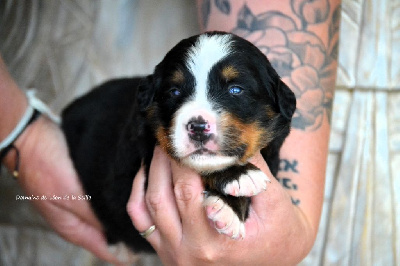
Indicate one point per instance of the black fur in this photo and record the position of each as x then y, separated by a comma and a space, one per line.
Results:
107, 141
111, 130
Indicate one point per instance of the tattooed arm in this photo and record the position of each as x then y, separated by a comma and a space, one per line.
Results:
300, 39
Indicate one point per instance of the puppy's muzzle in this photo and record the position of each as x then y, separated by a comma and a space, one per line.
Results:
199, 129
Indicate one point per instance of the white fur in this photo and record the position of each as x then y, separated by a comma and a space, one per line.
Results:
249, 184
182, 117
208, 163
207, 51
218, 211
123, 253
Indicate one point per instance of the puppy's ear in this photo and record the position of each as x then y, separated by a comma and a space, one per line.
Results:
146, 92
285, 98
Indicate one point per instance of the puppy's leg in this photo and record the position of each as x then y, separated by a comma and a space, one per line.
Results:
228, 196
245, 180
228, 213
123, 253
248, 184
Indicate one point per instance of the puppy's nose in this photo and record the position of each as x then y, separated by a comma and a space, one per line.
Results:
198, 126
198, 130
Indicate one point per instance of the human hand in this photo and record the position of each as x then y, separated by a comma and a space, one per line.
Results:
277, 232
46, 170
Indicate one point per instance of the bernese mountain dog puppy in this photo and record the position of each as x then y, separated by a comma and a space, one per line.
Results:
211, 104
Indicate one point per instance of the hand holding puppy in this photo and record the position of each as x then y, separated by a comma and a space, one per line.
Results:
174, 204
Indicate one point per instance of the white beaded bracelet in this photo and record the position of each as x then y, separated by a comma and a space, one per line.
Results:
41, 106
18, 129
35, 108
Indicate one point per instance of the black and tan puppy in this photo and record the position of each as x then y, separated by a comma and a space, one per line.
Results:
211, 104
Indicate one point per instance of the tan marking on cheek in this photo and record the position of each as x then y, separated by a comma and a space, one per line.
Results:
162, 138
252, 135
229, 73
150, 112
178, 77
164, 141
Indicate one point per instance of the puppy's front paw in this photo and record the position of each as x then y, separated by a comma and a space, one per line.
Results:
123, 253
249, 184
225, 219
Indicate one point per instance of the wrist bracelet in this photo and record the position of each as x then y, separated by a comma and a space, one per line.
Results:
35, 108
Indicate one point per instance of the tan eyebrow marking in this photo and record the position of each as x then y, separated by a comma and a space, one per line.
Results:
270, 112
178, 77
229, 72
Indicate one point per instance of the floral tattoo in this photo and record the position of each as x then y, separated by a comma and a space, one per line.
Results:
306, 63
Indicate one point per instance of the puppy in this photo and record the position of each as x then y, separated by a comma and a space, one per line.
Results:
211, 104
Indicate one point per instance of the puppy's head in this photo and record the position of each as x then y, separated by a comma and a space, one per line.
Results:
215, 100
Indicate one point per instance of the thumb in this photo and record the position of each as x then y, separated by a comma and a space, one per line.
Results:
188, 189
264, 201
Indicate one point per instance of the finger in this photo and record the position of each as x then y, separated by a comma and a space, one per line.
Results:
74, 230
84, 210
94, 240
160, 198
64, 179
80, 208
137, 208
262, 202
259, 161
188, 190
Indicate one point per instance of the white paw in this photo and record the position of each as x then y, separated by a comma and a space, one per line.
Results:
225, 219
123, 253
248, 184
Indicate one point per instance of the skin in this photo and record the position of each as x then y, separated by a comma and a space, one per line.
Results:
283, 220
175, 207
46, 169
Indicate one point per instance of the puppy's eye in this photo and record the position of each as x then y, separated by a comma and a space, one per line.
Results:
174, 92
235, 90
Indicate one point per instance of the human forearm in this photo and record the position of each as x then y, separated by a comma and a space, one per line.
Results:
46, 170
283, 220
300, 40
13, 102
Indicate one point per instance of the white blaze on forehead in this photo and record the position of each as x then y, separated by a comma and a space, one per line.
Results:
207, 52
